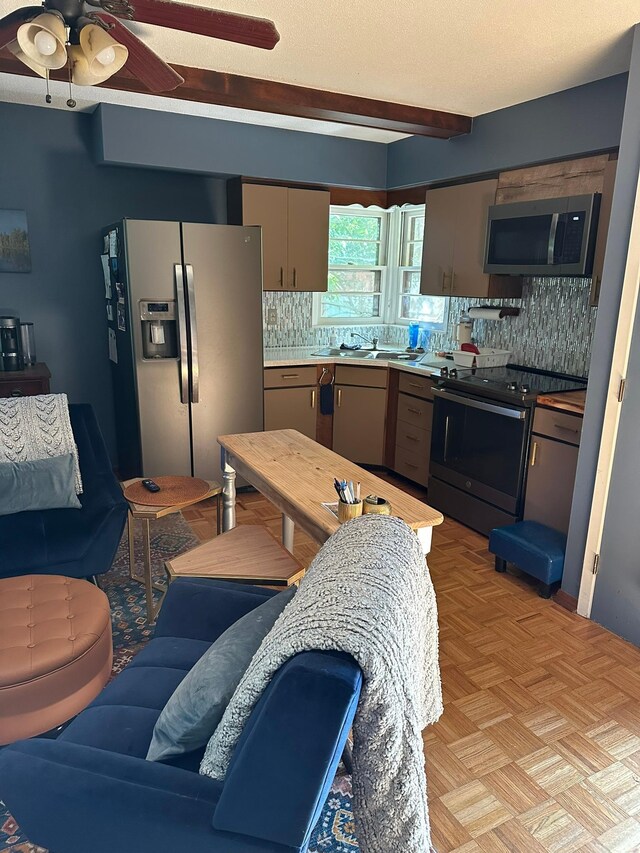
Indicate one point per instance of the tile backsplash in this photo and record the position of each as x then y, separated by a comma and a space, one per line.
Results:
553, 331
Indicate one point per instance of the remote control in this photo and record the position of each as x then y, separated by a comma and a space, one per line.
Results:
150, 486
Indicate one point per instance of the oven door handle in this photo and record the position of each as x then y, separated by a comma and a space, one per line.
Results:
517, 414
551, 245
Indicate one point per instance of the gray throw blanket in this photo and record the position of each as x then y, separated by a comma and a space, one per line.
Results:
368, 593
37, 427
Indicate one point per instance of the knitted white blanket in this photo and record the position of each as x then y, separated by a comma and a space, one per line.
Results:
368, 593
37, 427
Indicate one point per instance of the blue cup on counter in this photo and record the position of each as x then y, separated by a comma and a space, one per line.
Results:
414, 329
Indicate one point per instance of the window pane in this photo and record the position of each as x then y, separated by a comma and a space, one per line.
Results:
415, 255
416, 228
357, 252
354, 227
411, 282
367, 281
343, 305
427, 308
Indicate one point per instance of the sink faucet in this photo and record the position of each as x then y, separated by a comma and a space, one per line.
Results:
373, 341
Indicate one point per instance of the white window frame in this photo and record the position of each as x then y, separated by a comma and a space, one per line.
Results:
394, 224
376, 213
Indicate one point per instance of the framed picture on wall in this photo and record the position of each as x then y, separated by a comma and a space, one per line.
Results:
14, 242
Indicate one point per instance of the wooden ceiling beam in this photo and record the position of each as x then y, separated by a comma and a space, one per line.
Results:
250, 93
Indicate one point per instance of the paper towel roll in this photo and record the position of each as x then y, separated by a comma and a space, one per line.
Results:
485, 313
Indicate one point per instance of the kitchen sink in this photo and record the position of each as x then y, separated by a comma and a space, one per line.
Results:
369, 354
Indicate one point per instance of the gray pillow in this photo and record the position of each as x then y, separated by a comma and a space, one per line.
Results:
40, 484
196, 707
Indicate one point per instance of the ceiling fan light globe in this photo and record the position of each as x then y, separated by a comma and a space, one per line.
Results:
45, 31
45, 43
107, 56
15, 49
104, 55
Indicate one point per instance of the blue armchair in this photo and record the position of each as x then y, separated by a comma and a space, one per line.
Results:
72, 542
93, 790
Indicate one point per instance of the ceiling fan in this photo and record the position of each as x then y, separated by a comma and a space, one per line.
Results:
89, 37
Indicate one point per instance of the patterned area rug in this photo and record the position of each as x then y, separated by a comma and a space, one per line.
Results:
171, 536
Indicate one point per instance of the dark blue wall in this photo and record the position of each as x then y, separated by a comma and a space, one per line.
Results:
47, 169
577, 121
193, 144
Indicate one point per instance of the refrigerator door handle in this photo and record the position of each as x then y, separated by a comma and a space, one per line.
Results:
182, 334
193, 328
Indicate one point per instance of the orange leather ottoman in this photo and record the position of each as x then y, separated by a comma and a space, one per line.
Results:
55, 651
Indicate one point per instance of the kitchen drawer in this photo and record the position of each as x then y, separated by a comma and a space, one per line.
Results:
419, 386
556, 424
285, 377
414, 466
418, 413
413, 439
367, 377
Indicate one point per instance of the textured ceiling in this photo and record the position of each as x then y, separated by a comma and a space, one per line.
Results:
467, 56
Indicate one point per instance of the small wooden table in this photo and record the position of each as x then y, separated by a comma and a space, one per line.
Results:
247, 554
296, 474
146, 514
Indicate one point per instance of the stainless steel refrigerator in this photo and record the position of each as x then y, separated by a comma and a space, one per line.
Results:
185, 342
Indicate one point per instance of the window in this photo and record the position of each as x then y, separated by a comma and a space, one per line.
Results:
374, 270
431, 310
357, 262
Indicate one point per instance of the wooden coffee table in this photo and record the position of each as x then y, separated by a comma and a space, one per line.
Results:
147, 514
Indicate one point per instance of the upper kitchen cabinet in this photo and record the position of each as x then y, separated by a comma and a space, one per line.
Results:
454, 243
295, 235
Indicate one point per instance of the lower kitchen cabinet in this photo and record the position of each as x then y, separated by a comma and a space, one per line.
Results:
552, 468
291, 408
358, 423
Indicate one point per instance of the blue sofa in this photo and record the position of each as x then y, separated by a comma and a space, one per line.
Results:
92, 791
76, 543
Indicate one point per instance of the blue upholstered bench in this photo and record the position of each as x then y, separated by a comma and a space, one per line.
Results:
534, 548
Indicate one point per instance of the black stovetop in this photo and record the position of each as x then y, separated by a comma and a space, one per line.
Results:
519, 385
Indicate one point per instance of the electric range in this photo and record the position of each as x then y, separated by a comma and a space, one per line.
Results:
480, 440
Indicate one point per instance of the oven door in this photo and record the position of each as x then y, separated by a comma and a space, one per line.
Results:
480, 446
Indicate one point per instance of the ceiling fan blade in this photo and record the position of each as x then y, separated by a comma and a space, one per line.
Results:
143, 63
244, 29
10, 23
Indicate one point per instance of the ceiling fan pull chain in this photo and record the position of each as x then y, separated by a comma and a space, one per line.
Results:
48, 95
70, 101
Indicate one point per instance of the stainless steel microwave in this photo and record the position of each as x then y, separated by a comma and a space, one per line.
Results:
554, 236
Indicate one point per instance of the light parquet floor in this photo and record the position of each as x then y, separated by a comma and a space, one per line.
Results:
538, 748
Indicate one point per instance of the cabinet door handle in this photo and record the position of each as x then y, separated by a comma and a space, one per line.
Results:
313, 398
16, 392
566, 428
339, 396
444, 282
414, 385
411, 437
295, 278
281, 277
289, 375
534, 453
410, 464
453, 282
414, 411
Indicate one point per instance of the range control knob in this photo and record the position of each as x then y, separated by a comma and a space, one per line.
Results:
511, 386
525, 389
444, 372
453, 373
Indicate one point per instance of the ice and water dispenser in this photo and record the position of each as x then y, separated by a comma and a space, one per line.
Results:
159, 334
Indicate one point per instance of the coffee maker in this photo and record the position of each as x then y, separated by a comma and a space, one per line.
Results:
10, 344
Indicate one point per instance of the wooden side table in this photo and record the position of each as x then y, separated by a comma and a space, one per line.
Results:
25, 383
247, 554
147, 514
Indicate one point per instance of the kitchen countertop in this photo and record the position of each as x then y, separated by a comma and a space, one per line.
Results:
429, 364
569, 401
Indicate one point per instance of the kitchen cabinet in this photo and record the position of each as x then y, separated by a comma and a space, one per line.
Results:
551, 473
413, 428
290, 399
295, 235
360, 399
454, 244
